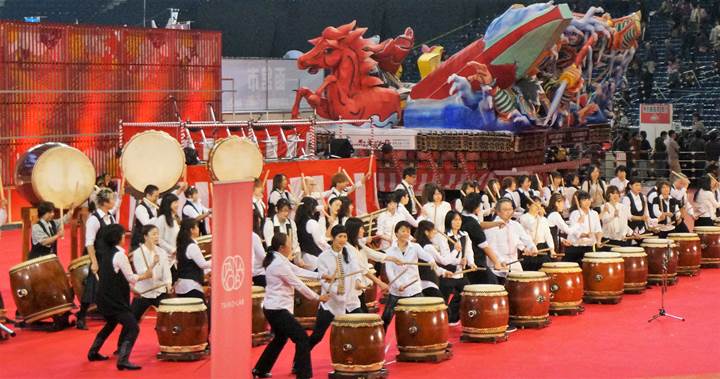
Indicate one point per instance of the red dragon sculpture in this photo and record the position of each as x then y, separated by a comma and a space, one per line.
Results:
353, 90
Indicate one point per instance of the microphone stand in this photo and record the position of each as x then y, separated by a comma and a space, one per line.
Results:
662, 312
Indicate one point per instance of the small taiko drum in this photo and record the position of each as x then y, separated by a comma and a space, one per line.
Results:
182, 329
357, 346
484, 313
529, 297
421, 328
40, 288
55, 172
235, 158
710, 244
604, 277
78, 271
306, 309
661, 252
636, 268
260, 332
689, 252
566, 286
152, 157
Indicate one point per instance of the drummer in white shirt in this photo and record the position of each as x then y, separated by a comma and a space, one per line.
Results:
553, 187
152, 290
705, 202
168, 224
281, 223
585, 229
258, 202
409, 176
679, 192
505, 240
665, 210
615, 216
194, 209
620, 180
387, 220
311, 235
435, 207
258, 252
538, 228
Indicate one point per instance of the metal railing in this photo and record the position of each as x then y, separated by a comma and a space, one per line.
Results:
653, 166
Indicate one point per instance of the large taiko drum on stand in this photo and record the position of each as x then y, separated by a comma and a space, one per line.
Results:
690, 252
710, 244
235, 158
205, 244
40, 288
78, 271
484, 313
357, 346
182, 329
636, 268
604, 277
566, 287
152, 157
55, 172
529, 296
305, 309
260, 332
658, 250
421, 328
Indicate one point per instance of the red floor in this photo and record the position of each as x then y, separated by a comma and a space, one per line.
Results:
607, 341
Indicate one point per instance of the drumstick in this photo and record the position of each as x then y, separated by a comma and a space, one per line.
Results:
539, 181
184, 174
679, 174
399, 275
472, 270
490, 193
417, 264
212, 194
350, 274
352, 183
62, 224
148, 290
411, 283
370, 164
265, 177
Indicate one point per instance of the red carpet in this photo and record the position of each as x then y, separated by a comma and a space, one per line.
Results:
607, 341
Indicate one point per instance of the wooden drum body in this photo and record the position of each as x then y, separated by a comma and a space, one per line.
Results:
370, 297
152, 157
656, 250
636, 268
566, 287
529, 296
182, 329
604, 276
78, 271
305, 309
689, 252
55, 172
40, 288
357, 345
235, 158
260, 332
421, 327
710, 244
205, 244
484, 313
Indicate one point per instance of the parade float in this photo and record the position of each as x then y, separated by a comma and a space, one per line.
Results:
541, 77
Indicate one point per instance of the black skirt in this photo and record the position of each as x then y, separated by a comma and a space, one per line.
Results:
704, 221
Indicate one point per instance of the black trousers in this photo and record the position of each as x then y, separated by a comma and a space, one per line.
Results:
141, 304
284, 326
259, 280
453, 288
130, 327
431, 292
618, 242
681, 228
199, 295
704, 221
535, 263
323, 319
390, 305
482, 277
88, 299
576, 254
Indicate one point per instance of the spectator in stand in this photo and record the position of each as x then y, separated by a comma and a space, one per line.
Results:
697, 143
673, 70
660, 143
697, 123
702, 43
697, 16
647, 87
715, 36
673, 151
712, 148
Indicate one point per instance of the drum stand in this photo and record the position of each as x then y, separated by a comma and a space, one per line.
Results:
662, 312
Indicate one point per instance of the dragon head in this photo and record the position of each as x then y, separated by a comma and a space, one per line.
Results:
332, 46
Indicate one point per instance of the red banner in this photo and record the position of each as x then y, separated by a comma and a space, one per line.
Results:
656, 114
231, 281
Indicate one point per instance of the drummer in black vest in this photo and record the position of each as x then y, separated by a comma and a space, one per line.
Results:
638, 206
310, 234
665, 210
145, 214
113, 296
473, 225
459, 245
524, 193
281, 223
47, 231
194, 209
100, 217
409, 177
191, 264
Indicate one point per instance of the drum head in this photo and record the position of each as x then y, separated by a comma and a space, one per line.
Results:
683, 236
421, 301
602, 255
63, 175
258, 289
526, 275
79, 262
560, 265
28, 263
484, 288
234, 158
358, 317
182, 304
628, 249
152, 157
657, 242
707, 229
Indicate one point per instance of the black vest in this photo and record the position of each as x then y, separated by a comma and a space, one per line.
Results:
410, 195
113, 294
427, 273
137, 238
524, 200
98, 235
636, 212
201, 224
38, 249
512, 200
451, 244
672, 207
307, 243
187, 269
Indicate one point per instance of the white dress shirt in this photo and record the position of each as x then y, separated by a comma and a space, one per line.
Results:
404, 275
281, 285
668, 223
458, 205
168, 235
706, 204
596, 191
538, 228
121, 263
197, 211
276, 195
569, 193
269, 231
405, 186
193, 253
506, 242
386, 227
142, 260
486, 206
407, 216
615, 227
92, 225
547, 193
339, 304
258, 255
467, 251
436, 214
432, 254
590, 225
38, 234
142, 215
515, 197
651, 195
620, 184
682, 196
259, 205
334, 192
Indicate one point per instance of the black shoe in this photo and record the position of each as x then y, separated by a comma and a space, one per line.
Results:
258, 374
123, 362
511, 329
80, 324
94, 352
95, 356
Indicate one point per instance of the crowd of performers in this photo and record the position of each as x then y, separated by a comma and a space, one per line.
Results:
430, 247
